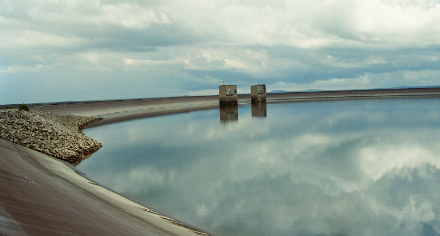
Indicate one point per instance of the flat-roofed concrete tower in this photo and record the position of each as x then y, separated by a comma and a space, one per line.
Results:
227, 94
258, 93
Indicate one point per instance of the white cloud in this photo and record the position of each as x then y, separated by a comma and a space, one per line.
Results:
130, 16
400, 23
362, 82
311, 24
23, 68
343, 63
366, 81
30, 40
136, 62
302, 44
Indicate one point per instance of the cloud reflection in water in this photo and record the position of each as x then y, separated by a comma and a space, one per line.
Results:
324, 168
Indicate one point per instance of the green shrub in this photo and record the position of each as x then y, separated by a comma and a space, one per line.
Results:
23, 107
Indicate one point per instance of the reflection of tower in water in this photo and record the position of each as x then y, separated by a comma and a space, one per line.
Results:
228, 113
259, 109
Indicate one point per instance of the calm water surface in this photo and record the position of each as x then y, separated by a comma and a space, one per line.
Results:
368, 167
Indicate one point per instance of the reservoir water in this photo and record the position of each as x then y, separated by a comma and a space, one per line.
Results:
361, 167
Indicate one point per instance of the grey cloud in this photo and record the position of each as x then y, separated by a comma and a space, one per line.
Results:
121, 39
290, 45
99, 28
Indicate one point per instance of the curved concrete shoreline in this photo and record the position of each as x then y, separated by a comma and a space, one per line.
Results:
44, 196
41, 195
115, 111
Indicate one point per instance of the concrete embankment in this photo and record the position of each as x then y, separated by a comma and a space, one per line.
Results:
41, 195
116, 111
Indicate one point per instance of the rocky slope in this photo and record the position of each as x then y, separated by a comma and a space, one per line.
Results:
56, 135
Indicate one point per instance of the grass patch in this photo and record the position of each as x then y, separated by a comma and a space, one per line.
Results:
23, 107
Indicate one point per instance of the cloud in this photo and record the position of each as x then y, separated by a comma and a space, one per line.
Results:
245, 42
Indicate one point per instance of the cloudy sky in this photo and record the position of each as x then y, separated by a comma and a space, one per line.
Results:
52, 50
